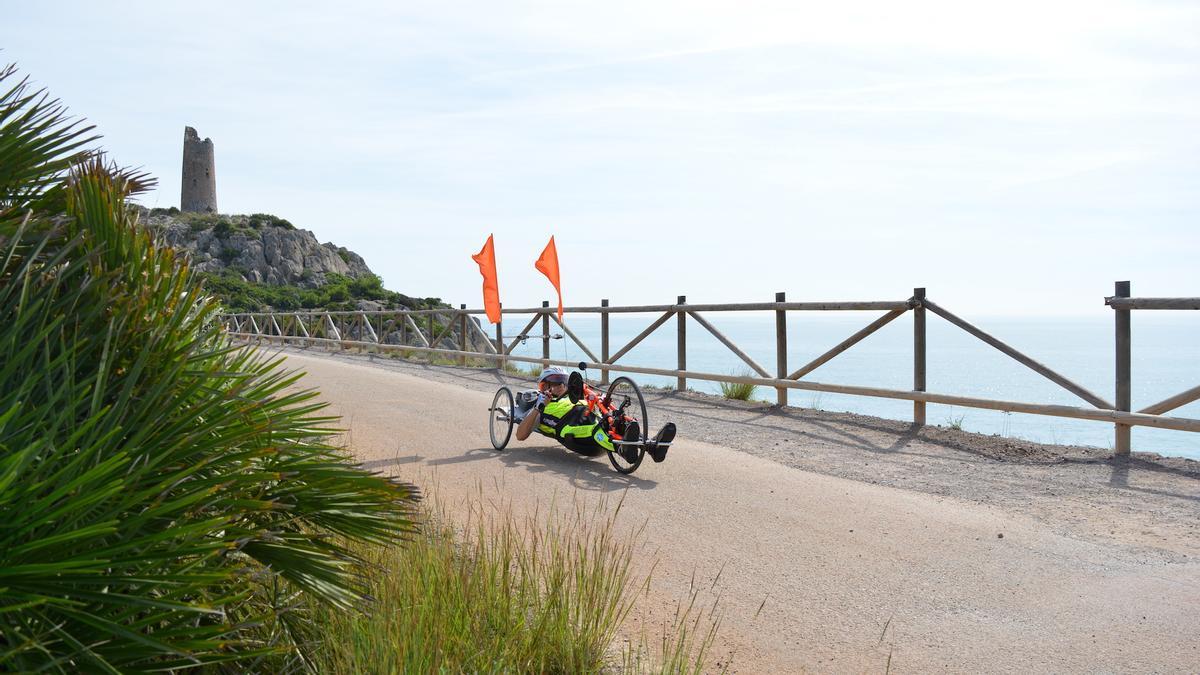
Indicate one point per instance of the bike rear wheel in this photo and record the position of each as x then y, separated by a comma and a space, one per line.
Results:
624, 395
500, 418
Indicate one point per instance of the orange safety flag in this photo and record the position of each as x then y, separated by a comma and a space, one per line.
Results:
491, 289
547, 264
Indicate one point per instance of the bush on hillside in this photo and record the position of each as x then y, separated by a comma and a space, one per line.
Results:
338, 293
261, 220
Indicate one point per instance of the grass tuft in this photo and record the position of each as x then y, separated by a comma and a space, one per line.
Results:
515, 368
685, 644
739, 391
500, 594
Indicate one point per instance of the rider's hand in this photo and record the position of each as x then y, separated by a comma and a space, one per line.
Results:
542, 399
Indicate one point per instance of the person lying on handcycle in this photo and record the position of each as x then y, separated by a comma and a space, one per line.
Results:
555, 415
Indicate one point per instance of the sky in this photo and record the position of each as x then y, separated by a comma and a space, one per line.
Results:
1013, 158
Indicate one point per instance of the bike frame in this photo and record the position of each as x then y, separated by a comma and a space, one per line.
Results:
595, 402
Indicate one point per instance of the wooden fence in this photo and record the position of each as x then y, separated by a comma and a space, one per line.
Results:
422, 331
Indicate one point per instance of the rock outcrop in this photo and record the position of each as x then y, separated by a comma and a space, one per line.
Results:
262, 249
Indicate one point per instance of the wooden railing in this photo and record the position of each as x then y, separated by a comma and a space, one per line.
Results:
1122, 304
419, 331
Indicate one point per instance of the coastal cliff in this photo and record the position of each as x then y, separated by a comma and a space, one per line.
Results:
260, 262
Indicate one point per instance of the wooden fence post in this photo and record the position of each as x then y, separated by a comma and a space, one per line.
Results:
781, 370
363, 332
404, 328
919, 354
431, 335
500, 342
545, 334
681, 343
1124, 358
604, 341
462, 334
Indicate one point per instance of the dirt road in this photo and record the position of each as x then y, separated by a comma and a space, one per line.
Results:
821, 573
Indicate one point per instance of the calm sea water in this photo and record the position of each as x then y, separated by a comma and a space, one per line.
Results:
1166, 361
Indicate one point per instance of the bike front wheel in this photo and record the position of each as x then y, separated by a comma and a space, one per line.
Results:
500, 418
625, 396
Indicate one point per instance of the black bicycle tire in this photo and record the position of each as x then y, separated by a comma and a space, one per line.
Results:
643, 421
494, 419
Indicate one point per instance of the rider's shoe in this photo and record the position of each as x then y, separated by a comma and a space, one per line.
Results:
632, 433
662, 442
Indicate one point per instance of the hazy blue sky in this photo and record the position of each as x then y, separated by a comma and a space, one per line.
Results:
1013, 157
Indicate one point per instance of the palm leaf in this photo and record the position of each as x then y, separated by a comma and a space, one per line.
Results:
154, 478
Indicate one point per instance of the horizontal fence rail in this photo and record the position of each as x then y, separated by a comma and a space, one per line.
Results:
432, 331
1153, 303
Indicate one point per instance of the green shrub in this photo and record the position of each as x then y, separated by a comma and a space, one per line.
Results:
367, 286
260, 220
205, 220
340, 293
229, 254
224, 228
739, 391
166, 497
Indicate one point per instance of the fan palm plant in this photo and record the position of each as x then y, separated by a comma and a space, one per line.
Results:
163, 493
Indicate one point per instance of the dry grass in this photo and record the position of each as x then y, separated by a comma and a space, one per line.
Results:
502, 594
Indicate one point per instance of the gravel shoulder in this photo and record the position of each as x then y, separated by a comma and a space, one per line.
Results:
1148, 501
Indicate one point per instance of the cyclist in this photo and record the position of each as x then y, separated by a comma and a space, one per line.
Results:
570, 423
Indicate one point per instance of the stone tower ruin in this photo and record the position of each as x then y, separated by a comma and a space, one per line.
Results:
199, 191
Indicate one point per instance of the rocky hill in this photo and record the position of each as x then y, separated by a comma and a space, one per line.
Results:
263, 249
262, 262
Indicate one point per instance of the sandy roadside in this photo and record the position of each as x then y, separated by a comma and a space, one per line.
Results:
867, 541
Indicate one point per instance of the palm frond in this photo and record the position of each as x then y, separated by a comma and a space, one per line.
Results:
38, 145
152, 475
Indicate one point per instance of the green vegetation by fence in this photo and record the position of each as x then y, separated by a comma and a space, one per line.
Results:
738, 391
339, 292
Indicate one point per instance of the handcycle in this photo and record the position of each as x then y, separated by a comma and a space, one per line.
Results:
618, 406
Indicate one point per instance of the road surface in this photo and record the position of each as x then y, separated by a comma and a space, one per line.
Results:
816, 573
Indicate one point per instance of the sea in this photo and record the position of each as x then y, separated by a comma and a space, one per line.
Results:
1166, 361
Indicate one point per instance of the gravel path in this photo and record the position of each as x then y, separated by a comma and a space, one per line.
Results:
839, 542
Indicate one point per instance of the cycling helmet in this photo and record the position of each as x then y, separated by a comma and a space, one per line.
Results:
552, 374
